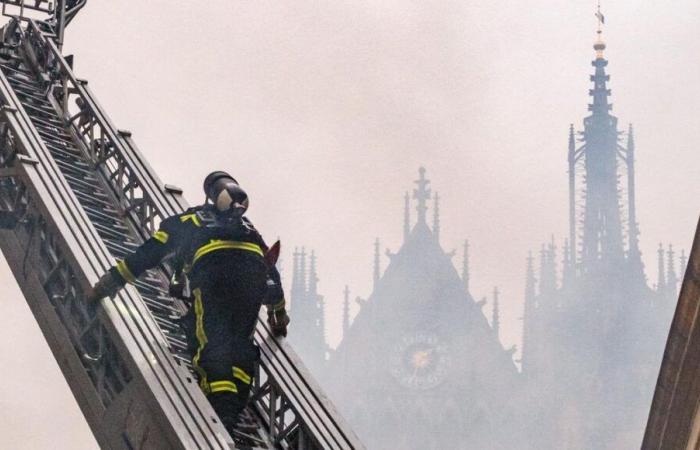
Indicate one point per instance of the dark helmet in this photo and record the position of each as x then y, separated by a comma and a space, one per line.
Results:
225, 193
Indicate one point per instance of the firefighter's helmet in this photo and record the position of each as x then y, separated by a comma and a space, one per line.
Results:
223, 191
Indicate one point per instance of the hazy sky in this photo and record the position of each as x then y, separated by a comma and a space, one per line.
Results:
325, 110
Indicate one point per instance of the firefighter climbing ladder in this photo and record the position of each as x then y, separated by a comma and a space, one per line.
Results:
84, 195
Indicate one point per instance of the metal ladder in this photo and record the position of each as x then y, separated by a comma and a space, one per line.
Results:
87, 196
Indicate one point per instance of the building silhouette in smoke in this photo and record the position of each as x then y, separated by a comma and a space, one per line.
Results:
593, 338
593, 328
420, 343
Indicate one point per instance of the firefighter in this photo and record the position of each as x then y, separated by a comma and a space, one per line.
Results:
223, 256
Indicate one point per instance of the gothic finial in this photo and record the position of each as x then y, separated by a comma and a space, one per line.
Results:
684, 263
661, 283
377, 269
436, 217
465, 266
346, 311
572, 194
529, 311
671, 277
495, 318
313, 278
406, 217
599, 45
296, 291
633, 229
422, 194
302, 269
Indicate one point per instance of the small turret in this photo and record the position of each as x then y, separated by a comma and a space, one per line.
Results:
661, 283
346, 311
422, 195
671, 277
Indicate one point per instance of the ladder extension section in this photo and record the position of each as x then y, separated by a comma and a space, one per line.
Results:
85, 196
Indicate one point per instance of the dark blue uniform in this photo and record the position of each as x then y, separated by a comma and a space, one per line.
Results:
223, 257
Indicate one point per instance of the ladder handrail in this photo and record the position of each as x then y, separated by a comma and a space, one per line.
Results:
141, 193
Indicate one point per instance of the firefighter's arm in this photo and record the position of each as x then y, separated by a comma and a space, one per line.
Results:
277, 316
147, 256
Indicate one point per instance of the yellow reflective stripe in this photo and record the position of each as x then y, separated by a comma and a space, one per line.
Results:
279, 306
161, 236
192, 217
220, 386
124, 271
201, 338
215, 245
241, 375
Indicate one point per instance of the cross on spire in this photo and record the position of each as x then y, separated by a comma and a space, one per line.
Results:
422, 194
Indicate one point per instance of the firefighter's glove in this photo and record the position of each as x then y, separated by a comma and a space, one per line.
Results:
107, 286
278, 321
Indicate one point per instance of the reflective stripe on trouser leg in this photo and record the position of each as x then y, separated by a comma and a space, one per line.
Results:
241, 375
201, 339
223, 386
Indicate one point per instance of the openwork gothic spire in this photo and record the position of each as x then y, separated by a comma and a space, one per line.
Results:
422, 195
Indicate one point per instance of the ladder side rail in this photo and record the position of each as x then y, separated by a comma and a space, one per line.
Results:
194, 398
308, 400
330, 418
62, 234
78, 220
70, 326
49, 60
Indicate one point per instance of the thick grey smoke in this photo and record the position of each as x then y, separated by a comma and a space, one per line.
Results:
324, 111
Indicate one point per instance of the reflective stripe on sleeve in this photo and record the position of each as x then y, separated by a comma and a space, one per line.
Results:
192, 217
161, 236
124, 271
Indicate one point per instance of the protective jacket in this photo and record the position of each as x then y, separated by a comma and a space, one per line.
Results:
224, 259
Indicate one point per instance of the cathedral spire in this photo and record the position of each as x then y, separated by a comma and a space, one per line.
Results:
422, 194
436, 217
465, 266
496, 318
377, 269
602, 245
529, 312
313, 278
346, 311
671, 277
302, 270
572, 194
661, 283
568, 271
634, 253
599, 45
684, 264
544, 286
406, 217
297, 291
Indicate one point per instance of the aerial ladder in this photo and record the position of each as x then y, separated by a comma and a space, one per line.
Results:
83, 195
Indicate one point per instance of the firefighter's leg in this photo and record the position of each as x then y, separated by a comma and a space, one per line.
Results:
213, 358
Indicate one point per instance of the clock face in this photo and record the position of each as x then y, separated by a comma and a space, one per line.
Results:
420, 361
